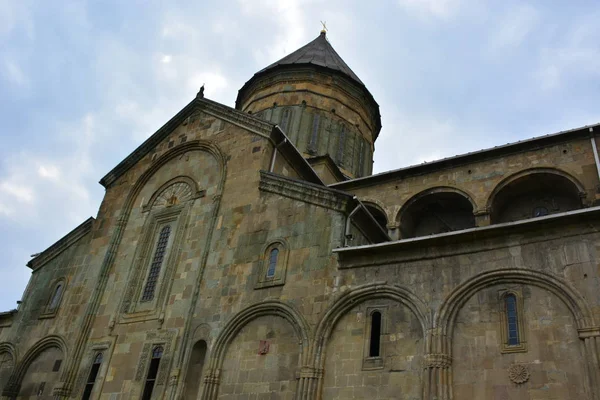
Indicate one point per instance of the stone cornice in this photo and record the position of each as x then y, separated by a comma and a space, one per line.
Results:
473, 240
62, 244
303, 191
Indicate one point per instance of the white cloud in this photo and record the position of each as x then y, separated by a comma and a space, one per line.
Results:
514, 27
19, 191
49, 171
440, 9
165, 59
14, 74
575, 57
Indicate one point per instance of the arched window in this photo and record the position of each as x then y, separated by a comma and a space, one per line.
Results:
513, 332
157, 260
375, 339
512, 323
157, 353
56, 296
89, 386
272, 263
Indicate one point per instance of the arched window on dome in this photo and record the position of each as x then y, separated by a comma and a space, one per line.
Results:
341, 145
313, 144
285, 120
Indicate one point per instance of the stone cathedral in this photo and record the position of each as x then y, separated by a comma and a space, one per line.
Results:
250, 253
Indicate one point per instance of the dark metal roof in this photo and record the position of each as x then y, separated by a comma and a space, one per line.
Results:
318, 52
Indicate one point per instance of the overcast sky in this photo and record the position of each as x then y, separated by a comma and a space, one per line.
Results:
83, 83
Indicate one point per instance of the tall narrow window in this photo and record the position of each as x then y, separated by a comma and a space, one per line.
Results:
157, 353
314, 137
89, 386
341, 144
361, 156
272, 263
512, 324
157, 260
56, 297
285, 120
375, 342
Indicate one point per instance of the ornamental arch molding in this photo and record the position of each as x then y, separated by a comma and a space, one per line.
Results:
434, 190
201, 145
242, 318
527, 172
234, 326
6, 347
186, 189
53, 341
445, 318
359, 295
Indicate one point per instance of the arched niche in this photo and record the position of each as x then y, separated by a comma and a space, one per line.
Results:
484, 367
42, 374
436, 211
265, 353
194, 376
534, 193
354, 369
7, 364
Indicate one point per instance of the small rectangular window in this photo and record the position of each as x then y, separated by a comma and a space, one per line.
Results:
57, 365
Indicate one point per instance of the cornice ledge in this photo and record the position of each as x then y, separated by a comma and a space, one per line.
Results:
305, 192
62, 244
236, 117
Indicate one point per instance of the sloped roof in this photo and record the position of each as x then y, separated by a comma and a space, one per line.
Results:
318, 52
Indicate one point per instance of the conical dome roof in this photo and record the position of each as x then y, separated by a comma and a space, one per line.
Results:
318, 52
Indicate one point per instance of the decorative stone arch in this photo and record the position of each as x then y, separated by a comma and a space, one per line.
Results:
235, 325
195, 191
349, 300
377, 205
441, 190
7, 347
14, 383
445, 318
358, 295
432, 190
531, 171
168, 156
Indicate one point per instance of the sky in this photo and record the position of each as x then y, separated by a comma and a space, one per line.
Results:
83, 83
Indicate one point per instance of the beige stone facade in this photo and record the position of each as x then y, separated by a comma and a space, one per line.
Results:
227, 261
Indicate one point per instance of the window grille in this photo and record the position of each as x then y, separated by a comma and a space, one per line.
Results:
512, 324
314, 137
272, 263
157, 260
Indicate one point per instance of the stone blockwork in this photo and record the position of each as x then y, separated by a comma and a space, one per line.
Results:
220, 266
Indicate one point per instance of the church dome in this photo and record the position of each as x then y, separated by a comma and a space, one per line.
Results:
321, 105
